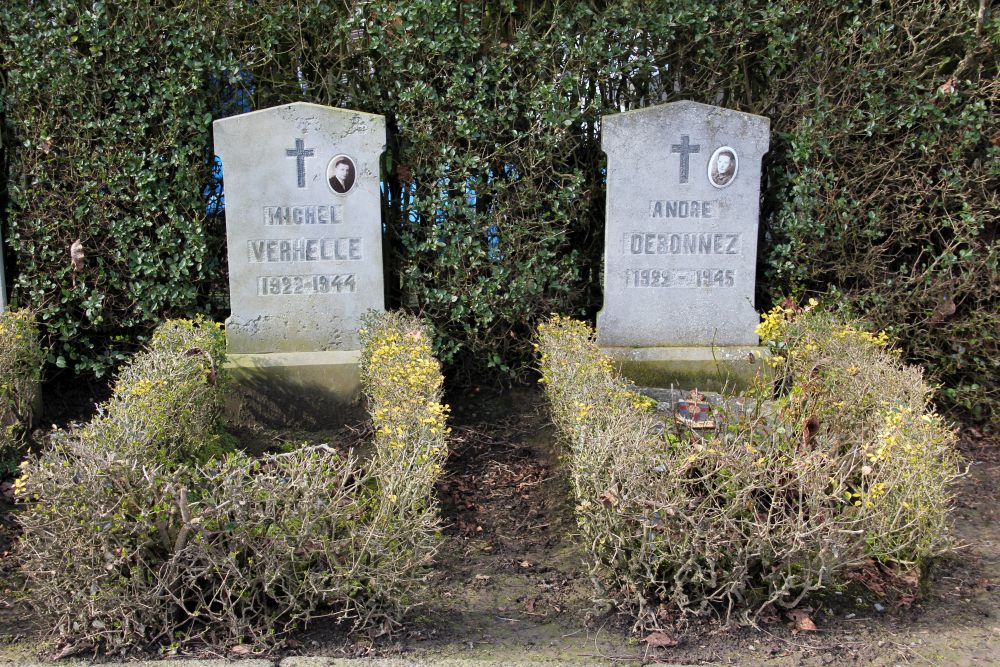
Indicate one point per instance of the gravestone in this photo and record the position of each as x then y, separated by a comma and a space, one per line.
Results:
680, 250
304, 233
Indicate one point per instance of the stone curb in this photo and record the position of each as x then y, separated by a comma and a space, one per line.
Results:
319, 661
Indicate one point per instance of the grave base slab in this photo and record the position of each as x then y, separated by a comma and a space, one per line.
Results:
721, 369
304, 390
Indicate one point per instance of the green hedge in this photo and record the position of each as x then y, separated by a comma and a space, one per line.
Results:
108, 109
881, 182
885, 185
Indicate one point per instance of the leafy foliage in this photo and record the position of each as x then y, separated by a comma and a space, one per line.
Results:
21, 360
881, 182
167, 403
109, 105
887, 181
403, 383
848, 392
782, 498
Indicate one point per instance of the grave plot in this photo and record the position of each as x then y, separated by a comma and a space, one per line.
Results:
148, 527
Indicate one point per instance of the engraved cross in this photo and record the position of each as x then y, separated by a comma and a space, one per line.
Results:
300, 153
685, 148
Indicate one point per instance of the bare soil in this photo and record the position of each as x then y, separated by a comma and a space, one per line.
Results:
511, 581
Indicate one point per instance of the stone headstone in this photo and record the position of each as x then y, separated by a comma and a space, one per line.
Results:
304, 233
680, 253
303, 224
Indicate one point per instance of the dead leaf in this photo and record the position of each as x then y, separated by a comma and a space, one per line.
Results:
768, 615
868, 575
948, 86
46, 145
609, 499
241, 650
791, 304
809, 430
72, 649
945, 308
907, 578
660, 639
76, 257
803, 622
665, 614
404, 173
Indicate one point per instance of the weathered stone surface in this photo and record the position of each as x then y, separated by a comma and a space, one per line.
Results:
667, 399
717, 369
681, 236
303, 223
306, 390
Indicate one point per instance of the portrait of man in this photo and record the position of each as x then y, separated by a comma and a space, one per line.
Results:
341, 173
722, 167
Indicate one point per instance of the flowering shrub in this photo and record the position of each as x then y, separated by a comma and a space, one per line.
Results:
579, 380
135, 536
851, 392
167, 403
768, 506
21, 360
403, 383
838, 374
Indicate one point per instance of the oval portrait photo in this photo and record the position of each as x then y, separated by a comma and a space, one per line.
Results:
722, 167
341, 173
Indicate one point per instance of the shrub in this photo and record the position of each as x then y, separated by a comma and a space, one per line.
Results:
130, 539
403, 383
837, 374
881, 182
765, 508
167, 403
125, 170
852, 394
121, 554
21, 359
885, 178
579, 380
